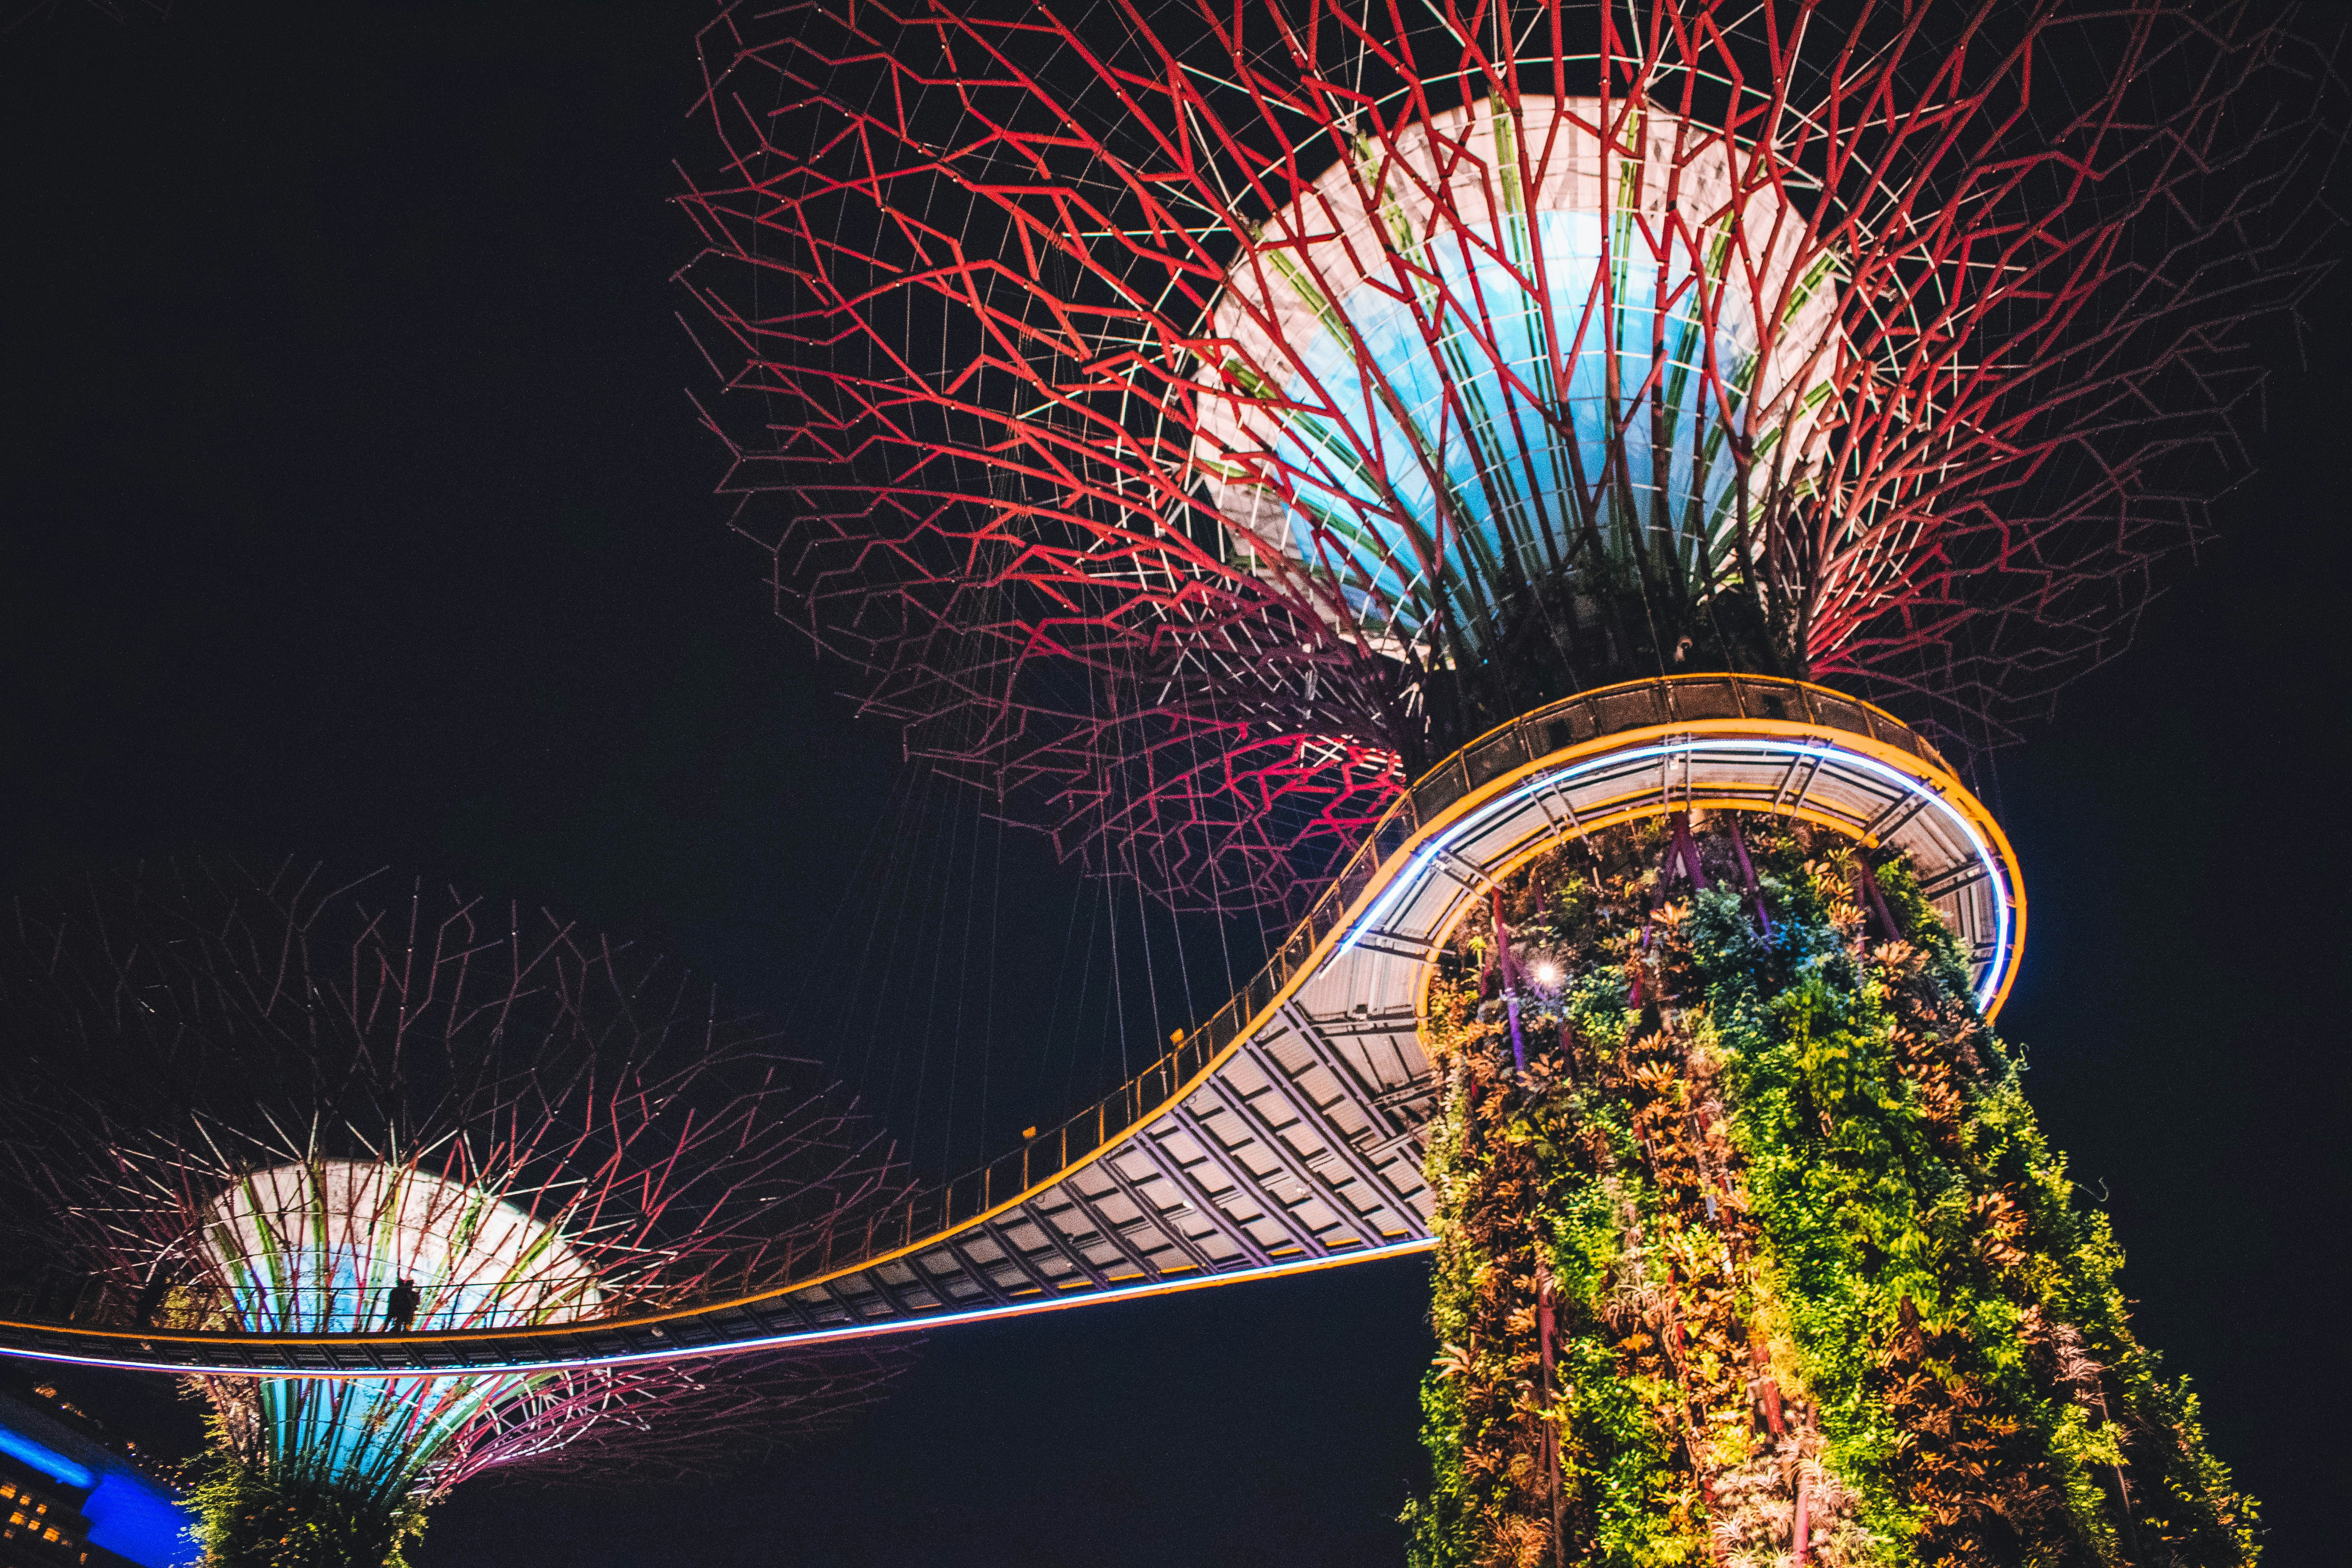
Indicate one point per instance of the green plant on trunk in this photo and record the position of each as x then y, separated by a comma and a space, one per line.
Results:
252, 1515
1750, 1250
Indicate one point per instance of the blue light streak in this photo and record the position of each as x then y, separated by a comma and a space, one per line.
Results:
48, 1461
132, 1516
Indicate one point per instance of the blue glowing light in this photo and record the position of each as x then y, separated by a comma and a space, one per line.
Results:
1477, 442
46, 1460
130, 1516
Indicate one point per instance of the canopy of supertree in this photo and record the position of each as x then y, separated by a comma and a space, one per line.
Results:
275, 1102
1196, 420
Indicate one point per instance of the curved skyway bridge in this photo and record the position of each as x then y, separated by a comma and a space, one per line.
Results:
1285, 1133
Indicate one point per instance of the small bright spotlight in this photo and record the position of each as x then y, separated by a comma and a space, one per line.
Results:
1547, 975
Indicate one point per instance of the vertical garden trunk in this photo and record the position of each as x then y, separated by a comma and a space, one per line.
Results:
1762, 1258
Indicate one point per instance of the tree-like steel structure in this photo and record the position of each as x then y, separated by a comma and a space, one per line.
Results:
1750, 1249
1196, 419
276, 1103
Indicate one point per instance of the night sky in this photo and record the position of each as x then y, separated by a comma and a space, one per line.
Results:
352, 507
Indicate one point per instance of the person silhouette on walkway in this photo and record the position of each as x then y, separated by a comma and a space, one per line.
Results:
400, 1309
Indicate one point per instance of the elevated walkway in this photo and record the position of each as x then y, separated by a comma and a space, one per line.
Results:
1285, 1133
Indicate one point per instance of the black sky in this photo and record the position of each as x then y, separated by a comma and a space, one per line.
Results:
351, 505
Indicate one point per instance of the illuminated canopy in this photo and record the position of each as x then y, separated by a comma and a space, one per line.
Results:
319, 1247
1507, 334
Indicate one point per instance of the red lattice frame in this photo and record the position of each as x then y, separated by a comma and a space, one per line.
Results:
982, 287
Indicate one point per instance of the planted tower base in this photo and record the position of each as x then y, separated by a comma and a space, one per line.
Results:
1751, 1251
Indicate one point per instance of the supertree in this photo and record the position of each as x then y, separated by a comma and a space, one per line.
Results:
1197, 421
278, 1103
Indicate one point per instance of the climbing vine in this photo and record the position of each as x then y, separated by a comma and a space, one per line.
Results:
1750, 1250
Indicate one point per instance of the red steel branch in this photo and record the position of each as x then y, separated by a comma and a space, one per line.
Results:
989, 293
